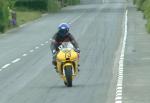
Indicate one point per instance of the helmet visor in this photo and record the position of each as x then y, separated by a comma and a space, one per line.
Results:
63, 32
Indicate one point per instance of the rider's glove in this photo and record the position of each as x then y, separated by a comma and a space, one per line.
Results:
77, 50
54, 52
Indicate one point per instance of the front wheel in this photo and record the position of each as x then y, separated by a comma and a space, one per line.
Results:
68, 73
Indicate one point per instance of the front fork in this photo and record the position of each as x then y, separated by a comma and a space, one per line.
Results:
70, 65
61, 68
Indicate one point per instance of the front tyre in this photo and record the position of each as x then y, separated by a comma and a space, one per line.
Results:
68, 73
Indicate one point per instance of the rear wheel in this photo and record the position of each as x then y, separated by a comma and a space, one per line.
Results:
68, 73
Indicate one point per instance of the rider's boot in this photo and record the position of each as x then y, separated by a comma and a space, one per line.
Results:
55, 65
78, 67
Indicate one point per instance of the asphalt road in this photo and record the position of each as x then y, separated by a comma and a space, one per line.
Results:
26, 72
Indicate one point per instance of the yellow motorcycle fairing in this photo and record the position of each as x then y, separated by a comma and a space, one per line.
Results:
67, 55
67, 58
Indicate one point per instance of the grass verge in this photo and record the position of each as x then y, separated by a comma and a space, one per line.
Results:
26, 16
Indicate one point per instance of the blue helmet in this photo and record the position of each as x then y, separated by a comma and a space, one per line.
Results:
63, 29
64, 26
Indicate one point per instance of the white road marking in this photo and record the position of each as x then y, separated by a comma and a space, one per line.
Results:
42, 44
118, 97
118, 102
65, 19
46, 42
31, 50
119, 94
75, 19
16, 60
37, 47
119, 88
24, 55
119, 91
5, 66
145, 58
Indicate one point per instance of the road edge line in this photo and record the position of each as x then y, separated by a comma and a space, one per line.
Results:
119, 86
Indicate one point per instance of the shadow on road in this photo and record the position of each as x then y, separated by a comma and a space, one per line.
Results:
77, 86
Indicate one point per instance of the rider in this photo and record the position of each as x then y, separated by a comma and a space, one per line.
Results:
61, 36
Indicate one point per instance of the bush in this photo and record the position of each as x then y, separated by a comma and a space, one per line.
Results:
3, 15
72, 2
148, 26
47, 5
11, 3
144, 5
134, 1
139, 3
35, 5
53, 6
50, 5
146, 9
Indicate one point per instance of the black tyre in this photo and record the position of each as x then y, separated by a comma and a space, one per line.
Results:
65, 83
68, 73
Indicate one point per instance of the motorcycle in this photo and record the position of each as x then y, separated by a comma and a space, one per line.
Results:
67, 60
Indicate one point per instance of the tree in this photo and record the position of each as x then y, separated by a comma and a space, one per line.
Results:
11, 3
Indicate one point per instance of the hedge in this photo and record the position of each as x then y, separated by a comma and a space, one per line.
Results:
50, 5
139, 3
72, 2
36, 5
144, 5
53, 5
146, 9
3, 15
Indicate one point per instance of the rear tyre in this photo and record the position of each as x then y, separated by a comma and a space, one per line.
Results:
68, 73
